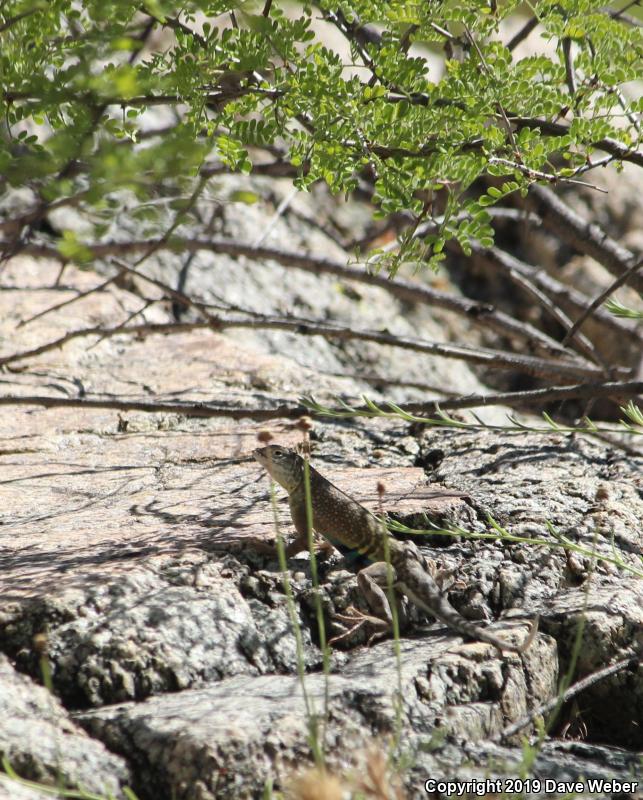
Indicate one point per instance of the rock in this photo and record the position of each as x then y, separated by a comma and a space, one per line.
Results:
41, 743
128, 547
149, 631
228, 740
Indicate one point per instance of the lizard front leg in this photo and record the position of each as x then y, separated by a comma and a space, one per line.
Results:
300, 521
300, 542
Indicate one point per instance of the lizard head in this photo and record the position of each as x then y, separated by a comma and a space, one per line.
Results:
282, 464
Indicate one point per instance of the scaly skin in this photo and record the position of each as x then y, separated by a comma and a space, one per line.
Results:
354, 529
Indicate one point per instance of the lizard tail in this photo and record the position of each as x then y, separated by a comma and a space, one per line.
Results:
449, 615
529, 638
444, 611
501, 644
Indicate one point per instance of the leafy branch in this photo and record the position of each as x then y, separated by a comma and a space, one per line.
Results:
441, 419
74, 102
498, 533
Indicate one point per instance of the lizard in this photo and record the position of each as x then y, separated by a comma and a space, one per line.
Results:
356, 531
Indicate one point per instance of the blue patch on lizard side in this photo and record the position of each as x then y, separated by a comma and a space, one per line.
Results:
355, 560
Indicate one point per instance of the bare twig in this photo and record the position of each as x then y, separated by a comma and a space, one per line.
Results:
123, 325
12, 20
536, 397
583, 343
177, 25
552, 287
188, 409
405, 41
490, 358
574, 690
178, 219
523, 33
79, 296
178, 308
16, 223
617, 14
570, 77
480, 314
602, 297
622, 101
281, 209
179, 297
584, 236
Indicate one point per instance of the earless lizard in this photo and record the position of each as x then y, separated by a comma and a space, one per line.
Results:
353, 529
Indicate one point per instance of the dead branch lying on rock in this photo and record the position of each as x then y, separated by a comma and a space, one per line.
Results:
586, 237
574, 690
186, 409
494, 359
287, 410
480, 314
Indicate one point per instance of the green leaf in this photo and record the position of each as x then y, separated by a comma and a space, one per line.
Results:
619, 310
72, 250
244, 196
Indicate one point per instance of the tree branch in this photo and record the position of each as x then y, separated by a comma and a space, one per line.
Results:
537, 397
574, 690
523, 33
553, 288
287, 411
611, 146
188, 409
602, 297
584, 236
480, 314
489, 358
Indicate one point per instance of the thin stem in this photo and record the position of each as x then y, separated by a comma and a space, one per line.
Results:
311, 716
319, 612
392, 600
602, 297
503, 535
443, 420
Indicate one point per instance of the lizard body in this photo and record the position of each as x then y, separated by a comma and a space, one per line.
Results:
353, 529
